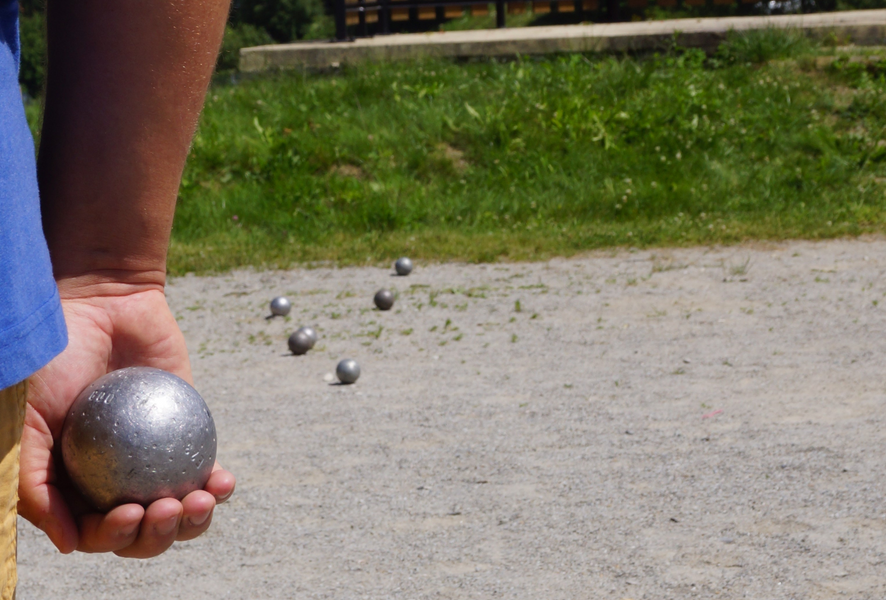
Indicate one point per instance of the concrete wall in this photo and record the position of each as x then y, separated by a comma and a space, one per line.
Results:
866, 27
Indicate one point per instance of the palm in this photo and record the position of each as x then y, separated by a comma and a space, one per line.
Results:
106, 332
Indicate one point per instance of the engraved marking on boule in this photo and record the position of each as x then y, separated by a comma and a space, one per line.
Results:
138, 435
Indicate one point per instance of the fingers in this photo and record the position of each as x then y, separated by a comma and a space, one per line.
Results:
131, 531
197, 515
111, 532
221, 484
46, 508
157, 532
199, 505
40, 500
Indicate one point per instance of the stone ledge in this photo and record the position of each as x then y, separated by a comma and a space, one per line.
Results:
863, 27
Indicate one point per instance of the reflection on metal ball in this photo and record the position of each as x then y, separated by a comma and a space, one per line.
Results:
348, 371
300, 342
384, 299
138, 435
309, 331
280, 306
403, 266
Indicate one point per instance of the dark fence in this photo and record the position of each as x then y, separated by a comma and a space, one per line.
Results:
380, 14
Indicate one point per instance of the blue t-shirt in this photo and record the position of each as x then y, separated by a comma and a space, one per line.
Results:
32, 326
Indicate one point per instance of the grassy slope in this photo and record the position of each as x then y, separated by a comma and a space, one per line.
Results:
530, 158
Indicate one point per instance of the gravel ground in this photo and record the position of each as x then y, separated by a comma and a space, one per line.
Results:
700, 423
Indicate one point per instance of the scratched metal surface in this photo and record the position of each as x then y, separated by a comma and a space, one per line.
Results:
138, 435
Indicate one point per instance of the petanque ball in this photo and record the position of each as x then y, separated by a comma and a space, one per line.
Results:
138, 435
348, 371
309, 331
300, 342
403, 266
280, 306
384, 299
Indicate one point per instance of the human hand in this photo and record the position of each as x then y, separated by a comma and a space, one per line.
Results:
110, 326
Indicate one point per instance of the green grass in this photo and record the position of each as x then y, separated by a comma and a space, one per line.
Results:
469, 22
535, 157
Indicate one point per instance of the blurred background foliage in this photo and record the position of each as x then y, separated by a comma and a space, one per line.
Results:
257, 22
33, 43
251, 23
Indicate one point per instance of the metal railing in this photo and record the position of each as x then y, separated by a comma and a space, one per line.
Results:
381, 13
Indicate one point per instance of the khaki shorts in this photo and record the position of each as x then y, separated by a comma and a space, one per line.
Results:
12, 417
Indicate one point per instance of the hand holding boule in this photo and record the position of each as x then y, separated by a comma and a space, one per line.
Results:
107, 331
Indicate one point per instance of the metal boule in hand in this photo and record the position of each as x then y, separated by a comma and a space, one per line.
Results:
138, 435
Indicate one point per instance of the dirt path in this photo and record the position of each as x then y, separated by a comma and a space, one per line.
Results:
672, 424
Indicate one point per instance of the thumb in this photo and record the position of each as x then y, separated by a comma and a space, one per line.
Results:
40, 501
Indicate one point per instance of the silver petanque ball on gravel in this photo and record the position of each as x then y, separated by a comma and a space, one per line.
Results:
280, 306
310, 332
138, 435
403, 266
384, 299
300, 342
348, 371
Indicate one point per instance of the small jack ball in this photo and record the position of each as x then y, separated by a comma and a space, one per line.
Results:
300, 343
309, 331
403, 266
384, 299
280, 306
348, 371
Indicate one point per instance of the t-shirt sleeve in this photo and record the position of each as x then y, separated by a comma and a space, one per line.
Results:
32, 326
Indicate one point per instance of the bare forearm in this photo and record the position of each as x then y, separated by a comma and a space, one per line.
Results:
125, 84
